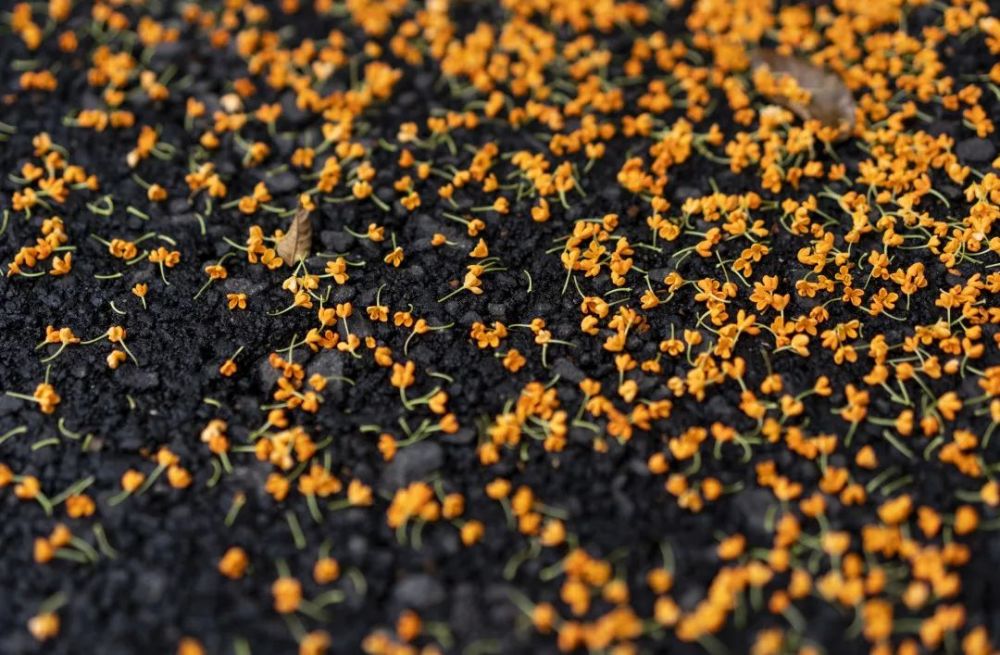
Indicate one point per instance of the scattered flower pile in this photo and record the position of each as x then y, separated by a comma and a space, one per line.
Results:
511, 326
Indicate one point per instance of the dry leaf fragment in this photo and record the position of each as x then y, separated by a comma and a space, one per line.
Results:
830, 101
297, 241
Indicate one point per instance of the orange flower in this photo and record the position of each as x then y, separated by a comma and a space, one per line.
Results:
132, 480
234, 563
287, 594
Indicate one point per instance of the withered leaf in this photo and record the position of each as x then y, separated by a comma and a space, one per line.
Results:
831, 101
297, 241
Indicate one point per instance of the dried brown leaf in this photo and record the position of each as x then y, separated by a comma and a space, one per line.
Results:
297, 241
831, 101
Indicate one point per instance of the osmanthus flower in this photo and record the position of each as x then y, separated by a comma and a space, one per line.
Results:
337, 269
156, 193
303, 158
329, 174
420, 326
513, 360
116, 335
327, 339
382, 356
236, 301
44, 626
178, 477
411, 201
480, 251
63, 336
316, 642
395, 257
472, 532
498, 489
131, 481
326, 570
139, 291
45, 548
408, 626
318, 482
79, 506
214, 436
116, 358
190, 646
214, 272
387, 446
415, 500
234, 563
24, 199
44, 396
164, 258
249, 204
402, 375
256, 153
61, 265
359, 494
287, 593
488, 338
228, 367
404, 319
278, 486
378, 312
